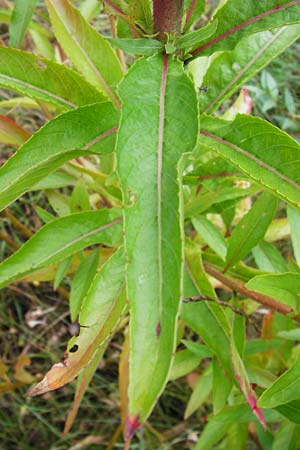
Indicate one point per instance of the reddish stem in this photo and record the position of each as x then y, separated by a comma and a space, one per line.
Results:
167, 15
242, 25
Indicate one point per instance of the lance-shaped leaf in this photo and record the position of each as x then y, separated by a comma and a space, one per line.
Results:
87, 49
263, 152
102, 310
89, 129
21, 16
145, 47
159, 123
211, 235
284, 390
11, 133
294, 221
235, 22
61, 238
251, 229
45, 80
229, 71
193, 10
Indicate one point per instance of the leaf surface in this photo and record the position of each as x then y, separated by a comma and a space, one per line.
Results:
89, 129
251, 228
229, 70
101, 312
44, 80
61, 238
11, 133
263, 152
235, 22
153, 134
87, 49
284, 390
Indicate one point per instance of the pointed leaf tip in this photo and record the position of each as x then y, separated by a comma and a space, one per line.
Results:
131, 425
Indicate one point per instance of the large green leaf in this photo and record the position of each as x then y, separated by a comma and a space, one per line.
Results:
159, 123
266, 154
102, 310
61, 238
87, 49
251, 228
235, 22
284, 390
45, 80
89, 129
229, 71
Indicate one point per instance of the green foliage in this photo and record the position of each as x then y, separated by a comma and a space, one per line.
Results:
198, 263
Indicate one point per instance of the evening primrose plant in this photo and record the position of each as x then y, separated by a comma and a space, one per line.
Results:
175, 192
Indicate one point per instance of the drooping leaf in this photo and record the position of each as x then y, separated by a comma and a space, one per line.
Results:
82, 384
283, 286
147, 165
45, 80
268, 258
87, 49
61, 271
82, 281
276, 168
59, 239
20, 18
102, 310
198, 349
294, 221
251, 228
145, 47
11, 133
90, 129
284, 390
229, 70
235, 22
200, 392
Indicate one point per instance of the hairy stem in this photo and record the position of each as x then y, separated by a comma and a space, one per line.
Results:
167, 16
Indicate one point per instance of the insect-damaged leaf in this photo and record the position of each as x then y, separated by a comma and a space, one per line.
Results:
59, 239
159, 123
89, 129
101, 312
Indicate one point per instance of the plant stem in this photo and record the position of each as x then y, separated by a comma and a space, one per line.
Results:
167, 16
19, 225
238, 286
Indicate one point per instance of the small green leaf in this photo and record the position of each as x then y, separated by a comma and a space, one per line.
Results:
200, 392
80, 199
193, 10
198, 349
184, 362
45, 80
284, 390
82, 281
90, 129
222, 386
211, 235
61, 271
285, 287
268, 258
20, 19
195, 38
102, 310
59, 239
87, 49
145, 47
251, 229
